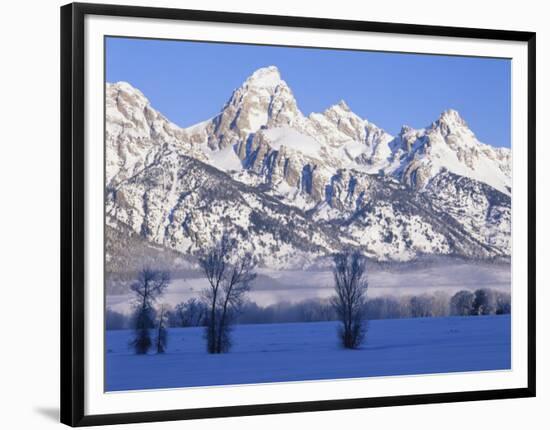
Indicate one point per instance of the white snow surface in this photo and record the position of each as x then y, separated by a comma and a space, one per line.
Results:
225, 159
293, 140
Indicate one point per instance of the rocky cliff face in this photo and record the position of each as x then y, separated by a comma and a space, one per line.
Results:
294, 188
136, 133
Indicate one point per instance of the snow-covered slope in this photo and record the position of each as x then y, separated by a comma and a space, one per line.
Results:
183, 204
448, 143
260, 166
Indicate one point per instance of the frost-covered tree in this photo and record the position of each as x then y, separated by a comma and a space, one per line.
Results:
228, 284
350, 284
462, 303
162, 334
191, 313
150, 285
383, 307
484, 302
421, 306
503, 303
440, 304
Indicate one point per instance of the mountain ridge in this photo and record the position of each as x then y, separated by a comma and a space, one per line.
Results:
327, 166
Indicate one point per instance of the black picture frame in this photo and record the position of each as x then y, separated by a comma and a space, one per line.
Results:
73, 212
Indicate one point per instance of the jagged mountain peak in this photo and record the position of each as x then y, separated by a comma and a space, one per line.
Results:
341, 109
263, 84
345, 120
124, 86
269, 77
406, 130
451, 116
448, 144
136, 133
341, 105
264, 110
451, 122
263, 100
302, 186
126, 92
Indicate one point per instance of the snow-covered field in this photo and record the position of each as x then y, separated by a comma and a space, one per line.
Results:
310, 351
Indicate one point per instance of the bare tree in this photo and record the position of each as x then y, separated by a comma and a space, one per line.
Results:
350, 279
191, 313
228, 285
162, 334
150, 285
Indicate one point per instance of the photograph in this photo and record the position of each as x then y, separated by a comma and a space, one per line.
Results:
268, 215
277, 214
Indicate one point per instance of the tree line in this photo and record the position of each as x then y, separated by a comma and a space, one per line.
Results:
223, 303
191, 313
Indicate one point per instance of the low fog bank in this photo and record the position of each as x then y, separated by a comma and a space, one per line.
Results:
192, 312
427, 276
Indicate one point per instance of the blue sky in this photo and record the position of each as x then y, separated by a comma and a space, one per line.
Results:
190, 81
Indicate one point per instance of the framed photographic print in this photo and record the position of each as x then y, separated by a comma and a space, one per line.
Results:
269, 214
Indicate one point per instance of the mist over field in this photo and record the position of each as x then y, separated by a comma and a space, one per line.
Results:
273, 286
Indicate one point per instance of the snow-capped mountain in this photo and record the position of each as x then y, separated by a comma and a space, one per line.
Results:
294, 188
448, 143
136, 133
